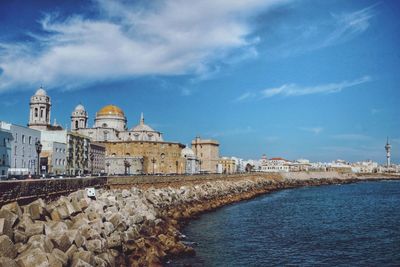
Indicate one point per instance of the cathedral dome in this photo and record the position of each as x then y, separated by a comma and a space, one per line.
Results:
41, 92
187, 152
142, 127
111, 110
80, 108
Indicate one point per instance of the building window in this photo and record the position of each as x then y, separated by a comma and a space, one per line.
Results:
41, 113
15, 150
30, 140
36, 112
105, 136
76, 125
23, 139
16, 138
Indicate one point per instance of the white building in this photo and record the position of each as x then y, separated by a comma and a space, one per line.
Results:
191, 161
367, 166
24, 158
5, 148
275, 165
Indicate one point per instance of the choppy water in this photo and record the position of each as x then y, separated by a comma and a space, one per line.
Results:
337, 225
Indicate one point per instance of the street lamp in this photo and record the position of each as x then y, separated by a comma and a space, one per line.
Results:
153, 161
127, 165
200, 166
38, 147
108, 167
91, 160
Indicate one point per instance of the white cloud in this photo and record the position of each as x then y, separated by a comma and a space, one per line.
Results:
327, 31
315, 130
167, 37
292, 89
245, 96
349, 25
296, 90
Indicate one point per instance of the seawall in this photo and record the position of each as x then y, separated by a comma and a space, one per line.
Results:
127, 227
25, 191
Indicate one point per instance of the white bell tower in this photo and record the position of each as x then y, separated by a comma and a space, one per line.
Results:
40, 107
79, 118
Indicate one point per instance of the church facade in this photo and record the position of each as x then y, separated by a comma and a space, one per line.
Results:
137, 150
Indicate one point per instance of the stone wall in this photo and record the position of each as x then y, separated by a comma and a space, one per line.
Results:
48, 188
28, 190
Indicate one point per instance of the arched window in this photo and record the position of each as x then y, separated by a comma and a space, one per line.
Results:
104, 125
127, 154
41, 113
76, 125
36, 112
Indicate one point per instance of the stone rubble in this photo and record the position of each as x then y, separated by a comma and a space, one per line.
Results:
135, 227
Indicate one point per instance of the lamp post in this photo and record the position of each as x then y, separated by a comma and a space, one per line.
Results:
38, 147
108, 167
91, 161
127, 165
153, 160
200, 166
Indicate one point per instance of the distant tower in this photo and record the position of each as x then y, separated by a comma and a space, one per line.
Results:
388, 147
79, 118
40, 105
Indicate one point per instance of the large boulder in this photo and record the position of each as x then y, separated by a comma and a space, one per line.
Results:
9, 220
61, 256
7, 262
13, 207
33, 257
36, 228
7, 248
61, 241
42, 242
36, 209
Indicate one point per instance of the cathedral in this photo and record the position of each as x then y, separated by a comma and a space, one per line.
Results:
136, 150
140, 149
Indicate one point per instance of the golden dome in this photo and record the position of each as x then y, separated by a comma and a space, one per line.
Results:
111, 110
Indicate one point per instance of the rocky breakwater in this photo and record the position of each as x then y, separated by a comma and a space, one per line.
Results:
132, 227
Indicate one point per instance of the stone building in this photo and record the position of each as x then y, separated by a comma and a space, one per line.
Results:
110, 124
226, 165
156, 157
39, 114
140, 149
207, 152
191, 162
97, 157
124, 165
24, 158
5, 148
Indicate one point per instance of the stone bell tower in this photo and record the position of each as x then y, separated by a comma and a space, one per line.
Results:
79, 118
40, 107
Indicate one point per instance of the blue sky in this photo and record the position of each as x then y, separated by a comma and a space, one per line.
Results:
311, 79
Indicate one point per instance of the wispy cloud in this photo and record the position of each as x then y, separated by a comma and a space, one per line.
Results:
296, 90
288, 90
352, 137
349, 25
330, 30
315, 130
165, 37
